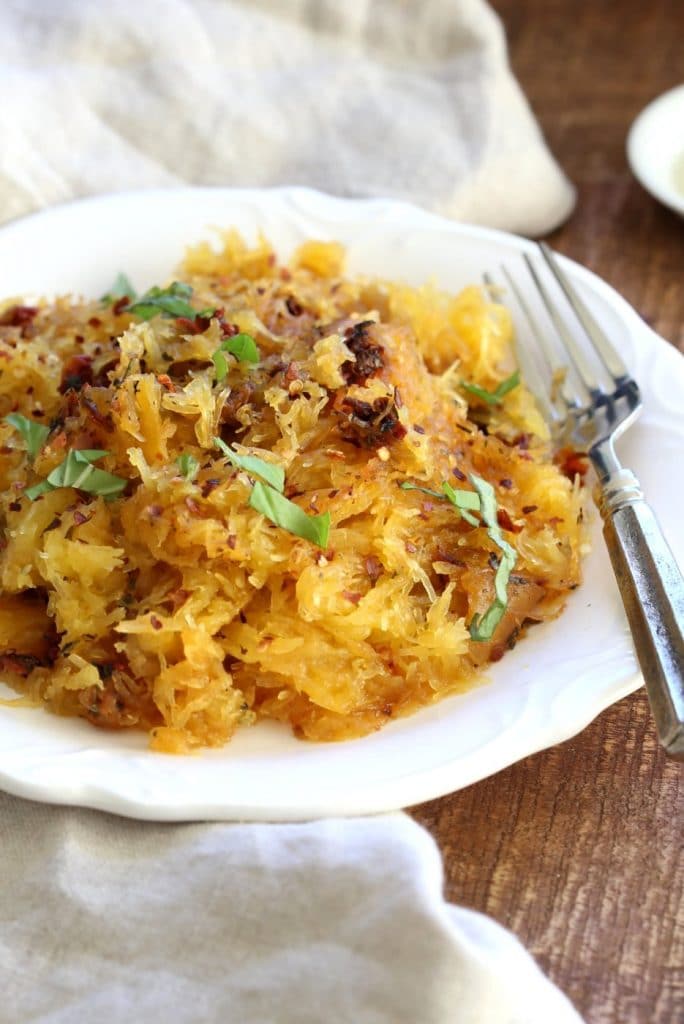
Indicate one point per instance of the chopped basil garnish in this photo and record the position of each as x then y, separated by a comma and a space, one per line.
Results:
242, 346
461, 500
464, 501
482, 626
289, 516
77, 471
188, 465
171, 301
482, 500
34, 434
272, 474
493, 397
408, 486
121, 288
268, 498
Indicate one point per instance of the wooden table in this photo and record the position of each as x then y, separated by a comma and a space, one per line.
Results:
579, 849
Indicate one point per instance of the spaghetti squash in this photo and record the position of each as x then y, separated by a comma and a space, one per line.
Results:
270, 491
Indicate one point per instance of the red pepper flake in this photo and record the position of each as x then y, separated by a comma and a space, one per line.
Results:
15, 506
444, 556
94, 322
166, 382
155, 622
79, 518
506, 483
373, 568
292, 372
193, 325
351, 596
505, 521
294, 307
192, 506
209, 485
154, 511
120, 305
556, 519
418, 429
178, 599
285, 274
458, 473
529, 509
18, 316
20, 664
229, 330
232, 541
77, 372
410, 548
572, 463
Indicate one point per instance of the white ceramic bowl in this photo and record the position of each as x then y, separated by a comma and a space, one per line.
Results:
655, 148
546, 690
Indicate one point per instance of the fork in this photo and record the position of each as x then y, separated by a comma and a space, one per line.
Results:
593, 402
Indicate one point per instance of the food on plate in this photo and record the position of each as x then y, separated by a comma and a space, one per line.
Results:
268, 490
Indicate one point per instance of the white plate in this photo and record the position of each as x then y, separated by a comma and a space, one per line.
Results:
655, 148
543, 692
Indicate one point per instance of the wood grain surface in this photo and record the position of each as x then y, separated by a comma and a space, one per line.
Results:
579, 849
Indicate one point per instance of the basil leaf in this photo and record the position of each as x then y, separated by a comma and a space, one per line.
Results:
188, 465
494, 397
289, 516
242, 346
171, 301
482, 626
35, 434
272, 474
121, 288
77, 471
34, 492
463, 501
408, 486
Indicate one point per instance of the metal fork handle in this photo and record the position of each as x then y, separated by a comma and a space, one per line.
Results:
652, 591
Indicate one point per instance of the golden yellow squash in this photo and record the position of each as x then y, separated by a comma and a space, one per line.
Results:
175, 603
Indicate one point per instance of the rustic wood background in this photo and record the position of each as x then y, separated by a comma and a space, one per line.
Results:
579, 849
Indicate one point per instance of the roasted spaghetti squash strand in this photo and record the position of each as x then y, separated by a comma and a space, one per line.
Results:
267, 490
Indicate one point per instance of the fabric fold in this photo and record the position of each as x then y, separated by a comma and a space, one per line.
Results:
341, 920
368, 98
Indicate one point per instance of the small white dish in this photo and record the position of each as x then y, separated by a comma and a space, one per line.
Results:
546, 690
655, 148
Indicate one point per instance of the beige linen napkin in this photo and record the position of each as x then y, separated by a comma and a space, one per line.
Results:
113, 921
362, 98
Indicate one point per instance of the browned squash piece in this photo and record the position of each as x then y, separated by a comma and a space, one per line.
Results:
25, 627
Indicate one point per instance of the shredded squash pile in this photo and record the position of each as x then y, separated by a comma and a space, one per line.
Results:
269, 491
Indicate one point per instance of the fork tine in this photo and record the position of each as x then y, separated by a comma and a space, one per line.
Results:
579, 360
540, 389
604, 349
526, 362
